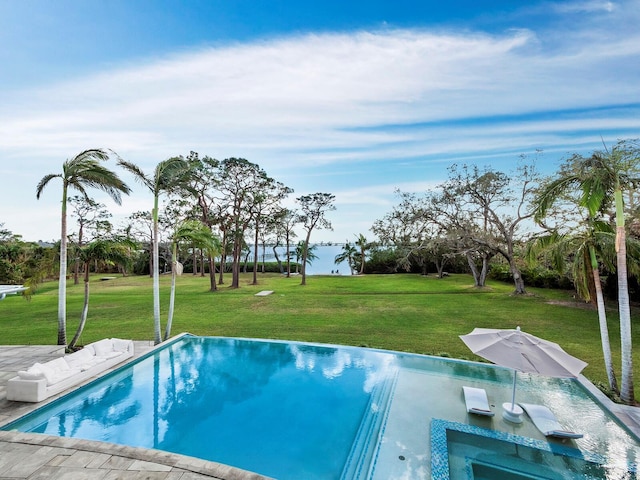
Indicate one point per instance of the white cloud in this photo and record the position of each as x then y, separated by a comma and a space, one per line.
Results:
407, 100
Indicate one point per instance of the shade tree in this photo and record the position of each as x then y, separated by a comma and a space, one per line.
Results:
266, 203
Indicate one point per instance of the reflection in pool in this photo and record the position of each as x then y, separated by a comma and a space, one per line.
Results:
284, 410
300, 411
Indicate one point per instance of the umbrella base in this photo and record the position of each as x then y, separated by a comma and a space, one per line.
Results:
513, 415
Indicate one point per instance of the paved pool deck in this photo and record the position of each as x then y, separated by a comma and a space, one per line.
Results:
36, 456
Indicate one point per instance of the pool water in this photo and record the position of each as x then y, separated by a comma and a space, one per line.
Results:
290, 411
305, 411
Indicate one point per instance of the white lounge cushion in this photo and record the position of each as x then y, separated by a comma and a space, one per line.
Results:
103, 347
120, 345
58, 365
476, 401
546, 421
30, 375
54, 371
79, 358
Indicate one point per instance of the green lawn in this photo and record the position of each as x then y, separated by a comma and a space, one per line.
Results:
398, 312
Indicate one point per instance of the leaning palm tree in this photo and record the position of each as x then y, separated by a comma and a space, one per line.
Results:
79, 173
168, 175
600, 179
199, 235
585, 246
109, 252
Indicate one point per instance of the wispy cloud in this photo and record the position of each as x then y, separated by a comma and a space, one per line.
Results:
393, 98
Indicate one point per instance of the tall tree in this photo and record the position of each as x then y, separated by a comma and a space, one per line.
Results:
497, 205
285, 221
601, 180
241, 182
79, 173
204, 184
265, 203
168, 176
313, 209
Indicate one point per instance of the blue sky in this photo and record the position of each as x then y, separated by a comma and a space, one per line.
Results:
353, 98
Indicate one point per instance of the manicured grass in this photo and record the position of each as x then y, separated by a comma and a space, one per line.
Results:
397, 312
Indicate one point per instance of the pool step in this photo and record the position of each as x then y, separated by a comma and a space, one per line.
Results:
357, 466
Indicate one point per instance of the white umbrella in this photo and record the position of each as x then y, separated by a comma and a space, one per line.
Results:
523, 352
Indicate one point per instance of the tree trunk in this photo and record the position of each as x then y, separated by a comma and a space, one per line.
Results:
223, 258
195, 261
604, 329
157, 334
235, 268
440, 263
172, 295
212, 274
288, 256
62, 283
255, 256
305, 252
626, 390
85, 310
517, 278
275, 254
485, 271
474, 270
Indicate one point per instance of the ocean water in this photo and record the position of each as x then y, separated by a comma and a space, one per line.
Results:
323, 265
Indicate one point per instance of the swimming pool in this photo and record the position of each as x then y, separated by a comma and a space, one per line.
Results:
293, 410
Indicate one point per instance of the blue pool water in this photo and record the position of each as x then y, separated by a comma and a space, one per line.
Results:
283, 410
301, 411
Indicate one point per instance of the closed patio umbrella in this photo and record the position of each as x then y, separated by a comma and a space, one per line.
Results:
524, 353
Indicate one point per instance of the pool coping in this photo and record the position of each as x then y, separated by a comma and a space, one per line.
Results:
114, 457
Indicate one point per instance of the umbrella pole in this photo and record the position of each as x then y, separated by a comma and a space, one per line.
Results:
513, 414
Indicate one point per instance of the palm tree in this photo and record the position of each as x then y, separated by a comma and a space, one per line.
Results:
79, 173
198, 234
167, 176
348, 255
585, 246
364, 247
107, 251
298, 253
600, 179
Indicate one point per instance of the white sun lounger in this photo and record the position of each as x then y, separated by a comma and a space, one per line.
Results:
546, 422
476, 401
